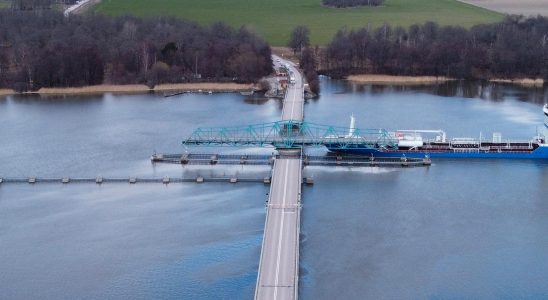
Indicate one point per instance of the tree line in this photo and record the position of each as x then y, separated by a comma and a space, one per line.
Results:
351, 3
516, 47
308, 64
299, 42
44, 49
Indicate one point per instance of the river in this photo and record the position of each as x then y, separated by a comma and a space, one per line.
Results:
459, 229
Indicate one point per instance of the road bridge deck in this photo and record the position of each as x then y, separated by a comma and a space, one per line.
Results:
278, 276
278, 269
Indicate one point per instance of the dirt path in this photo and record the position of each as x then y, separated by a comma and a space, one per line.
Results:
523, 7
80, 8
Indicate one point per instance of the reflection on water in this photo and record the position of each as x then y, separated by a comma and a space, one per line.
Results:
465, 89
459, 229
257, 100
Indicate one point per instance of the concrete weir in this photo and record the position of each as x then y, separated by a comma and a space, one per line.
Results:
133, 180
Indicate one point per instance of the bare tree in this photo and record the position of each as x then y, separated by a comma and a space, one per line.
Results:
513, 48
299, 38
47, 50
309, 67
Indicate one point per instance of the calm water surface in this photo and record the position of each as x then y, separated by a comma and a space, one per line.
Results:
459, 229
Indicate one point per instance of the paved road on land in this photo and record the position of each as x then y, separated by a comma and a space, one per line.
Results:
278, 270
518, 7
80, 7
294, 99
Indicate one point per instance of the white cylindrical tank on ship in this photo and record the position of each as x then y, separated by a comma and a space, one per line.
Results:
409, 140
410, 143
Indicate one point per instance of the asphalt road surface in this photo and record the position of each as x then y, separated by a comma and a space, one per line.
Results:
278, 270
294, 98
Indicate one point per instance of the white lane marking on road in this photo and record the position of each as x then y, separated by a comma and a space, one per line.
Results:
293, 102
281, 232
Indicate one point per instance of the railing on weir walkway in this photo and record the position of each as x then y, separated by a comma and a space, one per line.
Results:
229, 159
131, 180
308, 160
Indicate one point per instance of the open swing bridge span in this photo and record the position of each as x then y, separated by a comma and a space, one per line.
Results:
291, 134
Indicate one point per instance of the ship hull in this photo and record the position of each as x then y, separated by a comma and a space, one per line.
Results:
539, 153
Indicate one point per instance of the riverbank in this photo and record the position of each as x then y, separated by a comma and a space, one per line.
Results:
527, 82
427, 80
6, 92
139, 88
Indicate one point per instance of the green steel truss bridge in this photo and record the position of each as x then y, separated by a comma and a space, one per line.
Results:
291, 135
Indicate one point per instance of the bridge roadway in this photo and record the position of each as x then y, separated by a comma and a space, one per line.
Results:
278, 275
278, 270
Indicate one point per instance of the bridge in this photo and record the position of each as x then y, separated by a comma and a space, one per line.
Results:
278, 276
291, 134
279, 264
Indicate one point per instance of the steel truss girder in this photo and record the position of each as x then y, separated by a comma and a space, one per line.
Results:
291, 135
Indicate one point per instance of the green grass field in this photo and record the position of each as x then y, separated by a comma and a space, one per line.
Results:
274, 19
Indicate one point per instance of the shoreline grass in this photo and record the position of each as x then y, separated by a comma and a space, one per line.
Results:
137, 88
397, 80
379, 79
374, 79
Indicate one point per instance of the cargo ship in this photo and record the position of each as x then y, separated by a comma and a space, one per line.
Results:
434, 143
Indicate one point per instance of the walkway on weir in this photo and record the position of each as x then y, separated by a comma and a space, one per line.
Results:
278, 275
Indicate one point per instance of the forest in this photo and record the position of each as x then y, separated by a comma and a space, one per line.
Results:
351, 3
514, 48
41, 48
308, 64
44, 49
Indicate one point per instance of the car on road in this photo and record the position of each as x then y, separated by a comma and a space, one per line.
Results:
292, 79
